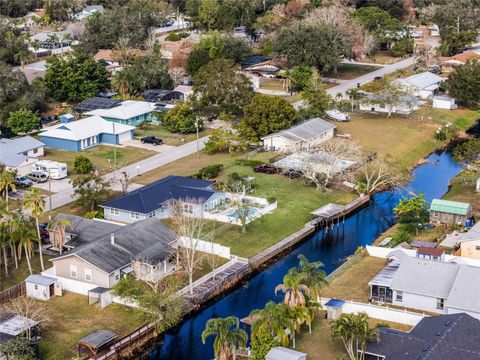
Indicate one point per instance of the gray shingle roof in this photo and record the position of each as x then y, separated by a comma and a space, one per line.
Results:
148, 239
304, 131
40, 280
465, 291
19, 145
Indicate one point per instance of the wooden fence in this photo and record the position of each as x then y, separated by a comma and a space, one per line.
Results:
12, 293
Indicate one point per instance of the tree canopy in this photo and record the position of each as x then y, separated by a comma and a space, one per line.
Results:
464, 83
23, 121
182, 118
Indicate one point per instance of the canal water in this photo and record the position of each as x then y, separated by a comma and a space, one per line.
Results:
330, 247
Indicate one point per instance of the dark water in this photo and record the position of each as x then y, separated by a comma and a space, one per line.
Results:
329, 247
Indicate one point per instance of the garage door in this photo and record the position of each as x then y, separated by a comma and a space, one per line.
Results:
124, 136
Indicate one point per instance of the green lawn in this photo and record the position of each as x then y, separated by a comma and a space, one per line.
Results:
101, 156
462, 119
463, 189
351, 71
16, 276
169, 138
72, 319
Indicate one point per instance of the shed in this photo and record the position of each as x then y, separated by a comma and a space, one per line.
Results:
444, 102
42, 287
94, 342
101, 295
281, 353
334, 308
449, 212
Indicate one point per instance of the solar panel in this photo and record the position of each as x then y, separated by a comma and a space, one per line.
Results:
97, 103
154, 95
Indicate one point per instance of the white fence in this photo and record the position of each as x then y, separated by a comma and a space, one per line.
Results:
75, 286
383, 253
235, 221
381, 312
205, 246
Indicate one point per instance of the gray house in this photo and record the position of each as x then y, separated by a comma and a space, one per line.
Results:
100, 262
429, 285
20, 154
154, 200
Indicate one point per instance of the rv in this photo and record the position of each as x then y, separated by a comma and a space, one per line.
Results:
55, 170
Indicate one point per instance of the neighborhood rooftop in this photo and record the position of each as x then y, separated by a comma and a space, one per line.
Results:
152, 196
423, 80
19, 145
305, 130
97, 103
451, 207
125, 111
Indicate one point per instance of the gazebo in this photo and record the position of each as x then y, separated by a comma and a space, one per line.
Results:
91, 344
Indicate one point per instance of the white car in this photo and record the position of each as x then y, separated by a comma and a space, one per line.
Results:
337, 115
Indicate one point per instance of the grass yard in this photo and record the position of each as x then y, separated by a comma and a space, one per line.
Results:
405, 139
72, 319
382, 57
101, 156
169, 138
463, 189
429, 235
462, 118
272, 84
350, 71
352, 283
320, 346
16, 276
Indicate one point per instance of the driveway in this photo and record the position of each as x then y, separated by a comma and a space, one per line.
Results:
55, 186
137, 143
64, 196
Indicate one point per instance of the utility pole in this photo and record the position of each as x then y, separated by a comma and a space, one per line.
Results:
114, 145
50, 189
198, 153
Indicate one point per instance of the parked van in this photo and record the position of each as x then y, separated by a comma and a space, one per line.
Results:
55, 170
38, 177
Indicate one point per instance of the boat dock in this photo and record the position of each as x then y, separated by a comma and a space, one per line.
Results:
330, 213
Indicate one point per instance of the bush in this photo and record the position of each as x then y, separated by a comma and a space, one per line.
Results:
271, 199
181, 118
400, 237
82, 165
173, 37
468, 150
209, 172
248, 162
402, 47
94, 214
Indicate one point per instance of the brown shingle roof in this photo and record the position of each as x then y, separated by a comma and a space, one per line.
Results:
430, 251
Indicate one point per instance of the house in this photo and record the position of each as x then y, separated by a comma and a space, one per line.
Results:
96, 103
428, 285
424, 85
42, 287
53, 40
469, 242
268, 68
376, 102
444, 102
449, 212
112, 63
130, 112
434, 337
20, 154
86, 133
450, 63
163, 96
154, 200
88, 11
101, 261
304, 136
186, 90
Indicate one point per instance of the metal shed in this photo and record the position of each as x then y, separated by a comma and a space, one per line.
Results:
42, 287
281, 353
101, 295
334, 308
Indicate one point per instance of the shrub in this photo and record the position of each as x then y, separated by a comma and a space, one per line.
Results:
82, 165
209, 172
94, 214
173, 37
248, 162
467, 150
400, 237
271, 199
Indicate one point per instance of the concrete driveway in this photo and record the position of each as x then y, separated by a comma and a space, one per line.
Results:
137, 143
56, 185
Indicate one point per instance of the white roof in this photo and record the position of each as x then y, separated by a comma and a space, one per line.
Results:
304, 131
126, 110
281, 353
425, 80
16, 325
19, 145
84, 128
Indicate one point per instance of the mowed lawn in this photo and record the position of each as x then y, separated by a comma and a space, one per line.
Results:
167, 137
101, 156
351, 71
72, 319
16, 276
406, 140
461, 118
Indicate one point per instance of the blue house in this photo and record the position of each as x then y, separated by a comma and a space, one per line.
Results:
154, 200
86, 133
129, 112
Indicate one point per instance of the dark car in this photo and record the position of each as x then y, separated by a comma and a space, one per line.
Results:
151, 140
23, 181
266, 169
291, 174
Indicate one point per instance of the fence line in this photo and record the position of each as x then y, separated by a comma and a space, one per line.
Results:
12, 293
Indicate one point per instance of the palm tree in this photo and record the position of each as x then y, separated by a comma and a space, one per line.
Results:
228, 337
13, 223
294, 289
365, 333
58, 227
7, 182
311, 275
25, 236
273, 319
4, 236
34, 203
121, 83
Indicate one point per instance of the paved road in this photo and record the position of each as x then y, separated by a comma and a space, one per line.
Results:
64, 196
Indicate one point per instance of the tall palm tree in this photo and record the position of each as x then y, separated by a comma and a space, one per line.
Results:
4, 237
34, 203
273, 319
311, 274
7, 182
228, 337
13, 223
294, 289
25, 236
121, 83
365, 333
58, 226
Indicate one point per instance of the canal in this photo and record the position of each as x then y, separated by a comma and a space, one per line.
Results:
331, 247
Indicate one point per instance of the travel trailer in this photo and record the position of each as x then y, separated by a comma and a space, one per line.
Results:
55, 170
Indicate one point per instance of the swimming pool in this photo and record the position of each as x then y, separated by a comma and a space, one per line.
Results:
250, 213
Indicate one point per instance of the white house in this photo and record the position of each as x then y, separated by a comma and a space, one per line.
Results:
429, 285
88, 11
424, 85
304, 136
130, 112
20, 154
376, 103
444, 102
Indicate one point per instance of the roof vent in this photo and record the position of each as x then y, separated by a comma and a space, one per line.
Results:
112, 239
448, 323
438, 333
427, 347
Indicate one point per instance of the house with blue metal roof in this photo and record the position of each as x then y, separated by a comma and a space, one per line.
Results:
154, 200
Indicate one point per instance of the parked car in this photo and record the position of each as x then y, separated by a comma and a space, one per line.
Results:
38, 177
151, 140
44, 233
291, 174
337, 115
266, 169
377, 78
23, 181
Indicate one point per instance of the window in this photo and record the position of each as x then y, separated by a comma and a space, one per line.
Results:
152, 214
88, 274
73, 271
35, 150
399, 296
134, 215
440, 303
117, 276
35, 287
477, 247
114, 211
188, 208
25, 153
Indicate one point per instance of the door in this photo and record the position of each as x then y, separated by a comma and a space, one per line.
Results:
124, 137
